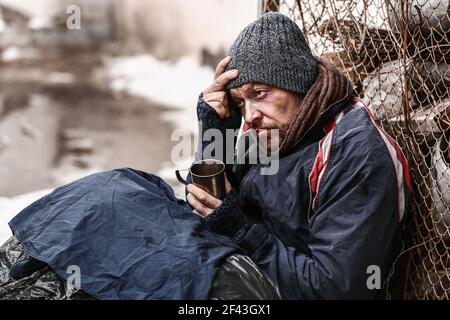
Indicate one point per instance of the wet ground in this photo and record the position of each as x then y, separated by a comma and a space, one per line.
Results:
58, 121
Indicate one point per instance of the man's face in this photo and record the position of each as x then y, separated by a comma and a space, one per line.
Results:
265, 107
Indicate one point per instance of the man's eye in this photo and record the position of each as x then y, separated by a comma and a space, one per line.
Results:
260, 93
239, 104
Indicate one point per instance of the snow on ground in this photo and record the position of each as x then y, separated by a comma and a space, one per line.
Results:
17, 53
40, 22
2, 25
9, 207
174, 84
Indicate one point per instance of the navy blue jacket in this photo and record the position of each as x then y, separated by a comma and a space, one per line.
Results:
333, 210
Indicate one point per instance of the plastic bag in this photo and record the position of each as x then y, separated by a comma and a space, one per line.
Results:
42, 284
239, 278
236, 278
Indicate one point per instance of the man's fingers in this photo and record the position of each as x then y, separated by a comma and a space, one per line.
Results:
197, 213
219, 102
201, 209
221, 81
228, 186
217, 96
204, 197
225, 77
221, 66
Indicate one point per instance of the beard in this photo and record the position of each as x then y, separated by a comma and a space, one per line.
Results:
270, 137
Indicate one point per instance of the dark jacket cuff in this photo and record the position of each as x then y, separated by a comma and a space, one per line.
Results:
228, 219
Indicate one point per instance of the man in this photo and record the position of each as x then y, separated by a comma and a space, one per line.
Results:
320, 227
333, 212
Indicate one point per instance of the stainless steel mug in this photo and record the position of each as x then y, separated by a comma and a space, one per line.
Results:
208, 174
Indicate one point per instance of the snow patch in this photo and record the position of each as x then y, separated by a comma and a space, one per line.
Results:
61, 78
40, 22
10, 207
176, 84
16, 53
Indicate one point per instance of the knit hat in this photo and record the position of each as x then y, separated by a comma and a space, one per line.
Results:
272, 50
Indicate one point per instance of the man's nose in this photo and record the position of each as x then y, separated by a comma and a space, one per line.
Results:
251, 113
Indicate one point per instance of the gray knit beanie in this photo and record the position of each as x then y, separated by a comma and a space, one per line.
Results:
272, 50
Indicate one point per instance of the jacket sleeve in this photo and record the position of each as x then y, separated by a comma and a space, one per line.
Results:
353, 228
209, 119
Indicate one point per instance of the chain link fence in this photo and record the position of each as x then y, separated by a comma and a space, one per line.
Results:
397, 53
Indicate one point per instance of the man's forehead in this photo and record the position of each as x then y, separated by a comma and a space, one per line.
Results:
245, 88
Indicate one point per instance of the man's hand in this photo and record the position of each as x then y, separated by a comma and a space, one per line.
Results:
202, 202
215, 95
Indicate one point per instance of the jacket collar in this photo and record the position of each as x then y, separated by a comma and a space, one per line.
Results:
316, 131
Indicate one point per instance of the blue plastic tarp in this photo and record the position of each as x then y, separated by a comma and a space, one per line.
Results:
128, 234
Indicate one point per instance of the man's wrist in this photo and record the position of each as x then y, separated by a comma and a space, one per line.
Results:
228, 219
208, 117
211, 120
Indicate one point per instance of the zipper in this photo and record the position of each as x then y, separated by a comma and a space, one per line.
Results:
310, 202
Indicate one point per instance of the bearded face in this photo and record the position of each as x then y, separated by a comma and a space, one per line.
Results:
267, 110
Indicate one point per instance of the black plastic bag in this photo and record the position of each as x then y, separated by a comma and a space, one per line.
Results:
237, 278
42, 284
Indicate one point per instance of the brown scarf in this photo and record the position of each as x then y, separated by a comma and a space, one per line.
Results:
329, 87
